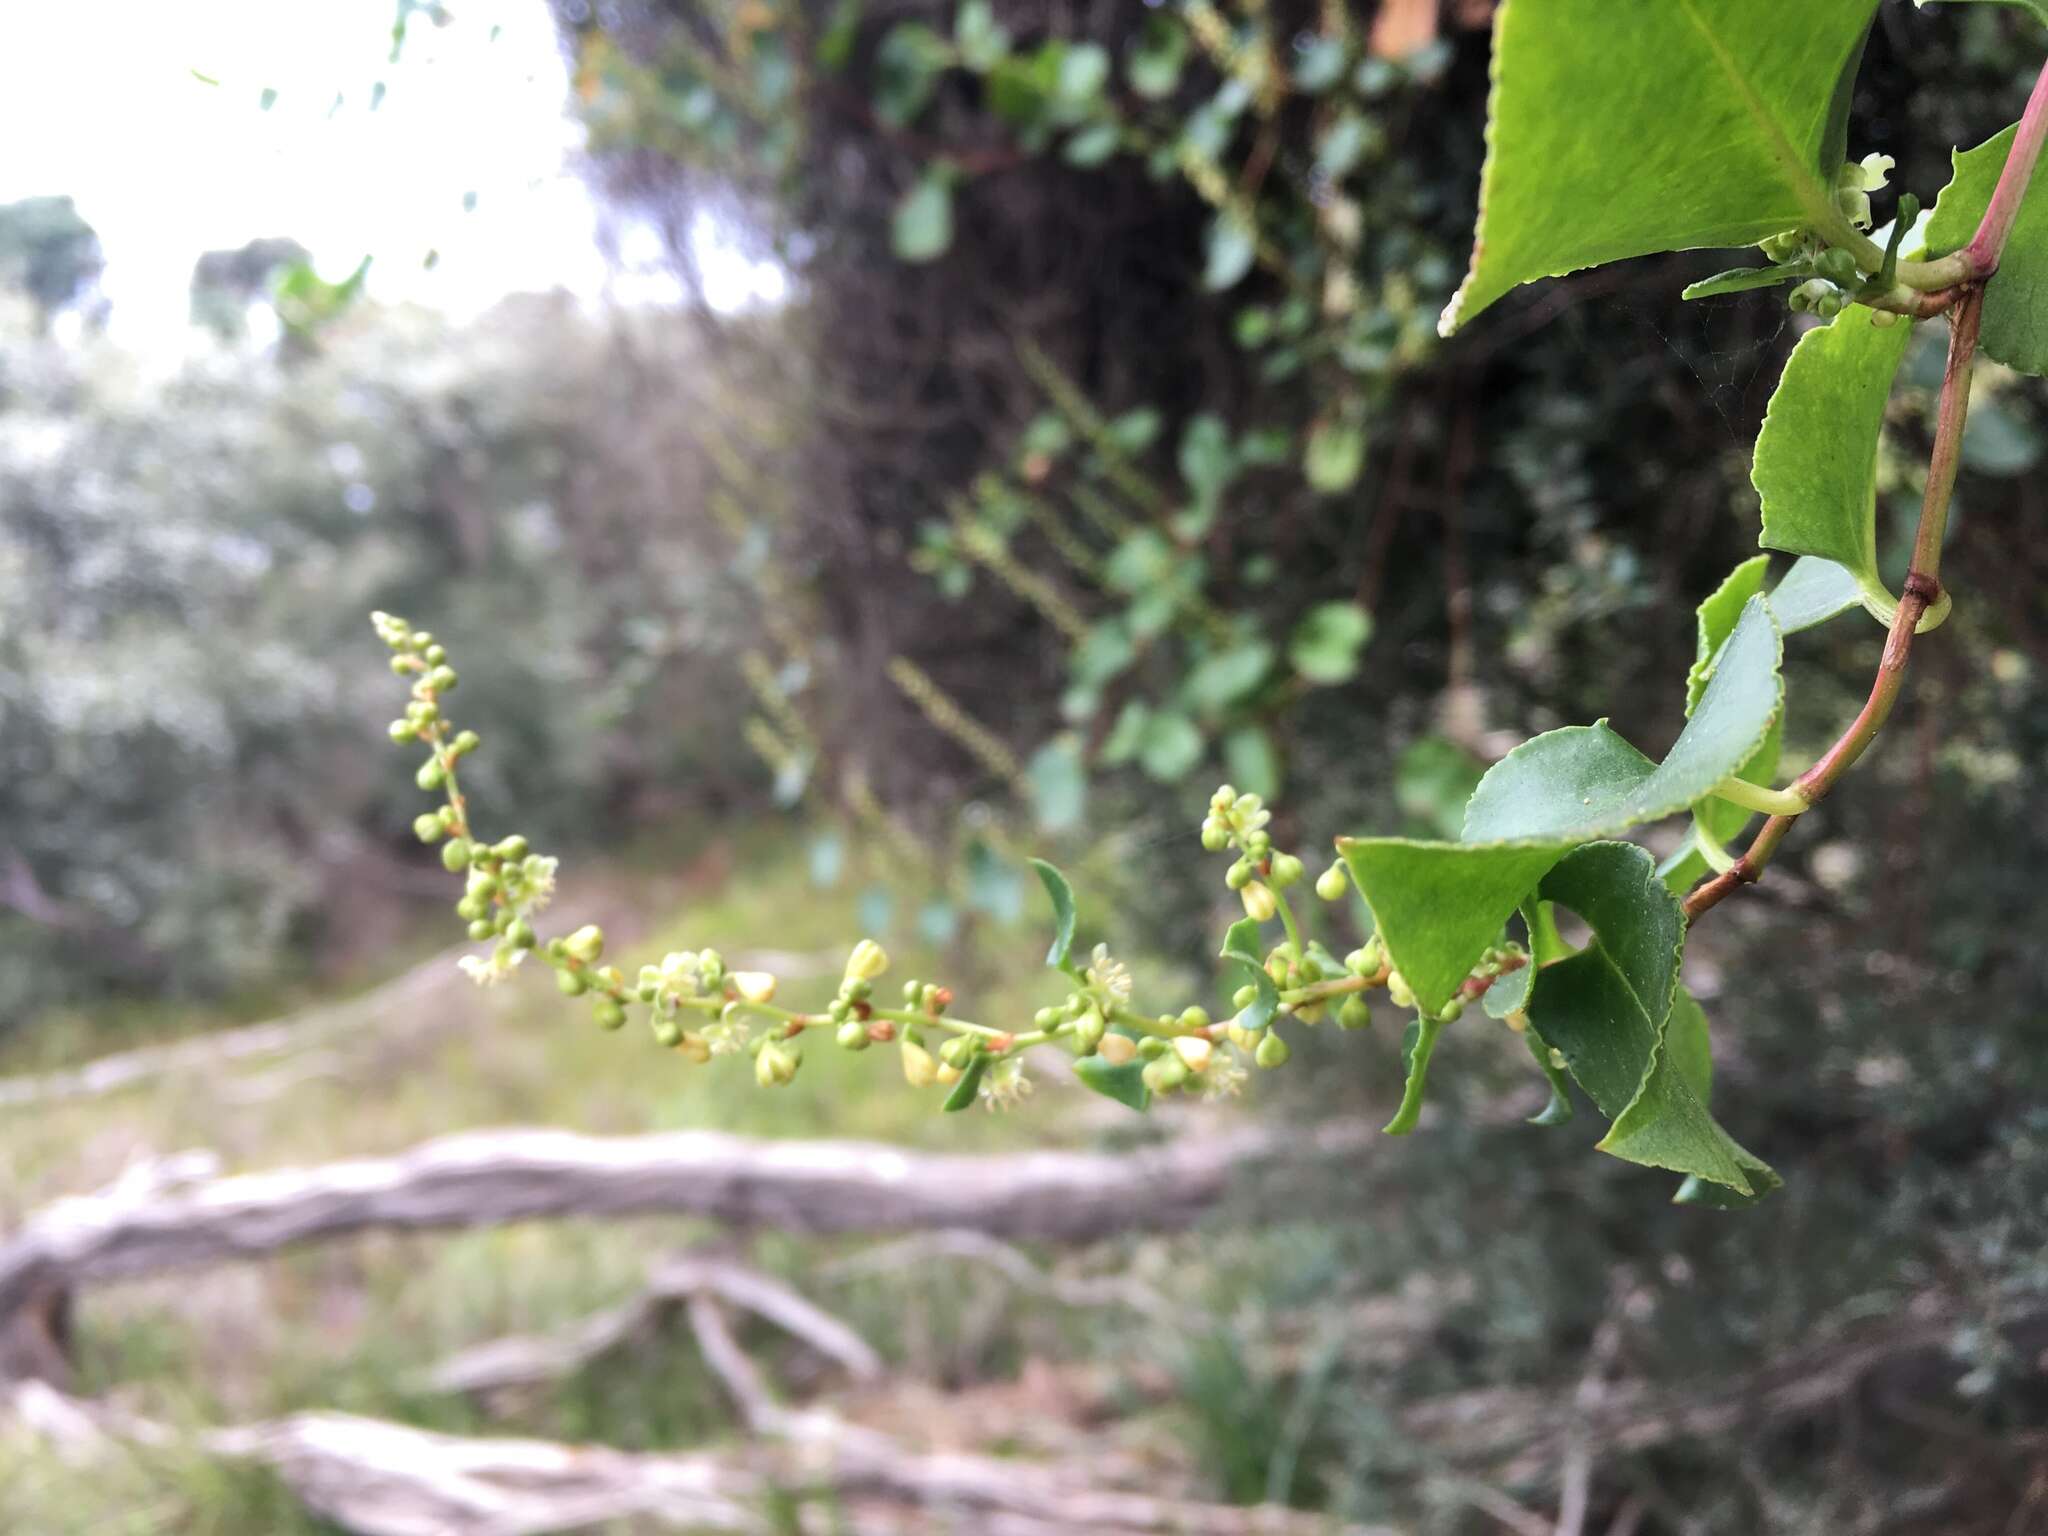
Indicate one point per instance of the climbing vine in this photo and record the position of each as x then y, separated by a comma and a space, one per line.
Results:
1690, 124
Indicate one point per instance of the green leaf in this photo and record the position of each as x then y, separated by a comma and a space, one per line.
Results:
1206, 459
1156, 58
1816, 458
1062, 896
922, 227
1326, 641
1585, 782
1559, 1109
1814, 591
1077, 87
1251, 761
1092, 145
1743, 279
982, 41
1717, 619
1320, 65
962, 1096
1438, 906
1059, 784
1433, 778
1607, 1010
1672, 125
1223, 677
1418, 1045
1124, 1082
1335, 456
1242, 944
1232, 243
1171, 748
907, 68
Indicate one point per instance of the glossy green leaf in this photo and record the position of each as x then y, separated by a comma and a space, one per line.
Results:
1717, 618
1607, 1010
1662, 125
962, 1096
1059, 784
1228, 253
1816, 458
2016, 300
1243, 945
908, 64
1334, 457
1585, 782
1814, 591
1418, 1045
1438, 906
1061, 895
922, 227
1326, 641
1124, 1081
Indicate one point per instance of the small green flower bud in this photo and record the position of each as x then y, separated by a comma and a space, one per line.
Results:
1837, 266
856, 991
586, 943
608, 1013
1272, 1052
1355, 1014
420, 639
1452, 1011
1239, 875
402, 665
431, 775
571, 983
1165, 1074
558, 949
482, 928
852, 1035
401, 731
465, 743
1244, 996
1215, 835
1398, 991
511, 849
867, 961
1258, 844
913, 990
1286, 871
667, 1031
442, 679
959, 1050
1194, 1017
1224, 798
434, 655
470, 908
840, 1011
775, 1064
520, 933
1784, 245
1046, 1018
482, 883
1331, 883
1259, 902
1151, 1047
1091, 1032
422, 712
429, 828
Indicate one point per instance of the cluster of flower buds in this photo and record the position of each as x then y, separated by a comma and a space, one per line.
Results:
1833, 278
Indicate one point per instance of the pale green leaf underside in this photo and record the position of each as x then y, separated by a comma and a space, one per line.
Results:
1585, 782
1607, 1009
1813, 591
1816, 458
2015, 327
1437, 906
1583, 166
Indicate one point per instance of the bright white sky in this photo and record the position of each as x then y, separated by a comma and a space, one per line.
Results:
100, 100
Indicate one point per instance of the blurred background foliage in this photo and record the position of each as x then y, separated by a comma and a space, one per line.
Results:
1102, 448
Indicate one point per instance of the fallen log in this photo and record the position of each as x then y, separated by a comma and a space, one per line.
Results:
492, 1178
376, 1478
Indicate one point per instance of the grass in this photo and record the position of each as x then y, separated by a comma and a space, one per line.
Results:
352, 1325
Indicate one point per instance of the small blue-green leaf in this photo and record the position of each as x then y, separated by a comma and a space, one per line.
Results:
1742, 279
1326, 641
1814, 591
1231, 246
1242, 945
922, 227
1062, 896
1059, 784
